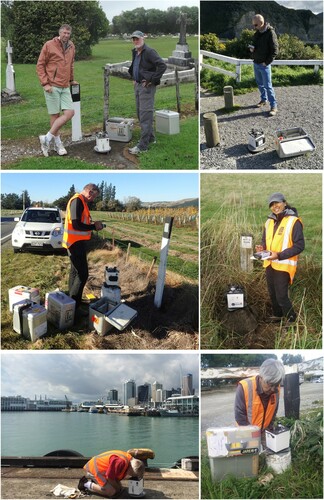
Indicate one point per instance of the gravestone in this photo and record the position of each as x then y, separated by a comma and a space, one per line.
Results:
181, 56
9, 94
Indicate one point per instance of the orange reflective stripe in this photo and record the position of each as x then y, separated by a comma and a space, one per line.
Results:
280, 241
256, 414
70, 235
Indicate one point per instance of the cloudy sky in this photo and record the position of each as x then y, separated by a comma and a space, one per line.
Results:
113, 8
90, 375
315, 6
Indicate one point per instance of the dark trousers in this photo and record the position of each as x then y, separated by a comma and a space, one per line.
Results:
79, 270
278, 283
144, 97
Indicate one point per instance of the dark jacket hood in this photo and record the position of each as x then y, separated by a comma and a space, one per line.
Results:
288, 211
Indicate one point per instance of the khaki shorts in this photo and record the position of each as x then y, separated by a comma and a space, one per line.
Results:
58, 100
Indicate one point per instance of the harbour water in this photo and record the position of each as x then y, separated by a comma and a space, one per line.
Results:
37, 433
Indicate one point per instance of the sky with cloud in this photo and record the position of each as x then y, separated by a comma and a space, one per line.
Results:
90, 375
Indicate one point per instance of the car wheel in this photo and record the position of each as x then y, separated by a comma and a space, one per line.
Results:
16, 250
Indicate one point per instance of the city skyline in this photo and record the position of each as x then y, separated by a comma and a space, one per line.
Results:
83, 376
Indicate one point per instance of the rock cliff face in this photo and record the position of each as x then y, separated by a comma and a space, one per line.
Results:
228, 19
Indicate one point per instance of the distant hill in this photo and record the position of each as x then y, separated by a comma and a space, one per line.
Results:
188, 202
228, 19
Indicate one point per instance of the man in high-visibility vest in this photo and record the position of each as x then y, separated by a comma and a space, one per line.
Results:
283, 237
104, 472
257, 398
77, 232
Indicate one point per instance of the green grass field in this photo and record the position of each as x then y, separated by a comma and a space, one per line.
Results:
235, 204
29, 118
48, 272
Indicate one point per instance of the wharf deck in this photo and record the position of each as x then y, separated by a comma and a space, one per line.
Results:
37, 482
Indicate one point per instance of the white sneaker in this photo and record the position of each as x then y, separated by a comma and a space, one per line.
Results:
60, 149
136, 150
44, 144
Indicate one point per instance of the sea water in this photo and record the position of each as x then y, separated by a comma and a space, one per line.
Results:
38, 433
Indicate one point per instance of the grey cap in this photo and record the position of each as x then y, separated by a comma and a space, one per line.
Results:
272, 371
276, 197
137, 34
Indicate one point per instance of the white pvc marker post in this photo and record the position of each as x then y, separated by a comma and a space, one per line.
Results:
76, 120
163, 261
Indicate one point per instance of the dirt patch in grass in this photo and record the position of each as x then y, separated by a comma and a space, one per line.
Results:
173, 326
118, 158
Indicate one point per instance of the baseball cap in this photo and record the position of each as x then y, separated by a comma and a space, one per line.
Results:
279, 197
137, 34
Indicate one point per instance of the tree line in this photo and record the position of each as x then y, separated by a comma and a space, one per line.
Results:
106, 201
30, 24
290, 46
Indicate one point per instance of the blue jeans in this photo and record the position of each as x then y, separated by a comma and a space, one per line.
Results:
263, 80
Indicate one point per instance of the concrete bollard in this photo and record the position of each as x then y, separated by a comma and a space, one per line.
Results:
211, 129
228, 97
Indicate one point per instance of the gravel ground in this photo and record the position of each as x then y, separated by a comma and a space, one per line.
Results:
297, 107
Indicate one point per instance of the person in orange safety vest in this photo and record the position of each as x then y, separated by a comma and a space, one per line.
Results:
77, 232
283, 237
104, 472
257, 398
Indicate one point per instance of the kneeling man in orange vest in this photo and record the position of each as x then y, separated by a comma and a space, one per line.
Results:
257, 398
104, 472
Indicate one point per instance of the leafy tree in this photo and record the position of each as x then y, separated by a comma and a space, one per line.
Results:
6, 20
155, 21
36, 22
13, 201
132, 203
290, 359
63, 200
290, 47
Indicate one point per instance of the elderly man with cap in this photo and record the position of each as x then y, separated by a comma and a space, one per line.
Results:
257, 398
146, 70
283, 237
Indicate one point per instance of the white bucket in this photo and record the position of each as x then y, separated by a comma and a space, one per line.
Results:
279, 462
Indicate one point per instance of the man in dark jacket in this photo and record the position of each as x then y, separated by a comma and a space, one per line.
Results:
146, 70
264, 49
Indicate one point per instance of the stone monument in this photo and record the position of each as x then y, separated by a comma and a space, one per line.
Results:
181, 56
9, 93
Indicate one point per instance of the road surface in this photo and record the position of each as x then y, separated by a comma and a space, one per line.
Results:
7, 225
217, 407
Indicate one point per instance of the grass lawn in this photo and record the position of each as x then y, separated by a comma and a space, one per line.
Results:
236, 204
29, 118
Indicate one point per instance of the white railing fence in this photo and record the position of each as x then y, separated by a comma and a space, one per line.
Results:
240, 62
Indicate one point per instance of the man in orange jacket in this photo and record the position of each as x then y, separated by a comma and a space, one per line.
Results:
257, 398
77, 232
104, 472
55, 72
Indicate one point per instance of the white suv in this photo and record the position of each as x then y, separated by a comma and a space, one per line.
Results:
38, 229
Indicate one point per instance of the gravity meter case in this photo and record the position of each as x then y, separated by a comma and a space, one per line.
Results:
233, 450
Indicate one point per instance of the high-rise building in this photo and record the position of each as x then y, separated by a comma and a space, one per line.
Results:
143, 394
113, 396
129, 392
155, 386
187, 389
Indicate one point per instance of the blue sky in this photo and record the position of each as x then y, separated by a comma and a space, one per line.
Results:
148, 187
